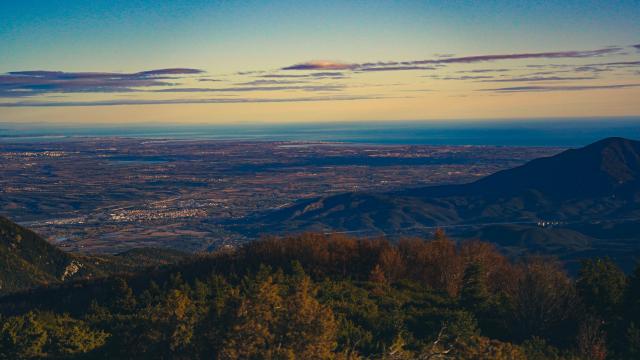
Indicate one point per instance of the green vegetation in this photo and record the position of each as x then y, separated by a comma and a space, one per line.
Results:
26, 259
334, 297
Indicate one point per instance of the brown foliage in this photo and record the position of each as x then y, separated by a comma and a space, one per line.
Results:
438, 263
544, 297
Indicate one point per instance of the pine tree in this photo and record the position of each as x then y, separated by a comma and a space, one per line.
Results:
181, 318
310, 328
124, 301
253, 331
474, 294
601, 285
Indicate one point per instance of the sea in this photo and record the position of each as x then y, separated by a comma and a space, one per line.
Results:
563, 132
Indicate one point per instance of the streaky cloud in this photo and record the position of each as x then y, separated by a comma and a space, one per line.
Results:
476, 71
465, 77
331, 75
541, 78
272, 82
284, 76
123, 102
516, 89
252, 88
320, 65
170, 71
518, 56
617, 64
397, 68
38, 82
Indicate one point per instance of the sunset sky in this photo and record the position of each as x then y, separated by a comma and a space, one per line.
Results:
229, 62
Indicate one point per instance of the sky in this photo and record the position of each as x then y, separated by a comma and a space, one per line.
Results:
183, 62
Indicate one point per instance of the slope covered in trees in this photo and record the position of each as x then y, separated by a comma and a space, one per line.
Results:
323, 297
28, 260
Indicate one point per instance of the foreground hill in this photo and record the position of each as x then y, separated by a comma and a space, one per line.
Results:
599, 183
334, 297
28, 260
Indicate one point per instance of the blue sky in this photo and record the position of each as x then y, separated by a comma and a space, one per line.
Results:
224, 38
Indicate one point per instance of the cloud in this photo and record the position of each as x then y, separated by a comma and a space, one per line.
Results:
325, 74
123, 102
320, 65
284, 76
444, 55
541, 78
405, 65
271, 82
618, 64
171, 71
518, 56
475, 71
636, 46
465, 77
590, 69
31, 83
560, 88
397, 68
333, 74
253, 88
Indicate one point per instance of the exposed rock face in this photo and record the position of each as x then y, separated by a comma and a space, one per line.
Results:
71, 270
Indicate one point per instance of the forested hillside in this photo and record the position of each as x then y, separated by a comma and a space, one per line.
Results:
335, 297
28, 260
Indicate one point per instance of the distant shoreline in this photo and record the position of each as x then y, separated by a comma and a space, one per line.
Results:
541, 132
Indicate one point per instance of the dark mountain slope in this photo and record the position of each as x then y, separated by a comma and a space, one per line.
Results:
599, 181
607, 167
28, 260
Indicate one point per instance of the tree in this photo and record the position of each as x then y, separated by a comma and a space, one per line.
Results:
180, 312
482, 348
68, 337
397, 350
544, 302
377, 276
538, 349
499, 273
123, 299
435, 263
253, 332
474, 294
632, 296
601, 285
310, 328
591, 340
22, 337
391, 263
632, 338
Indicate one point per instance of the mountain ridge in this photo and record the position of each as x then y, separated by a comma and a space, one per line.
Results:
594, 184
607, 168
